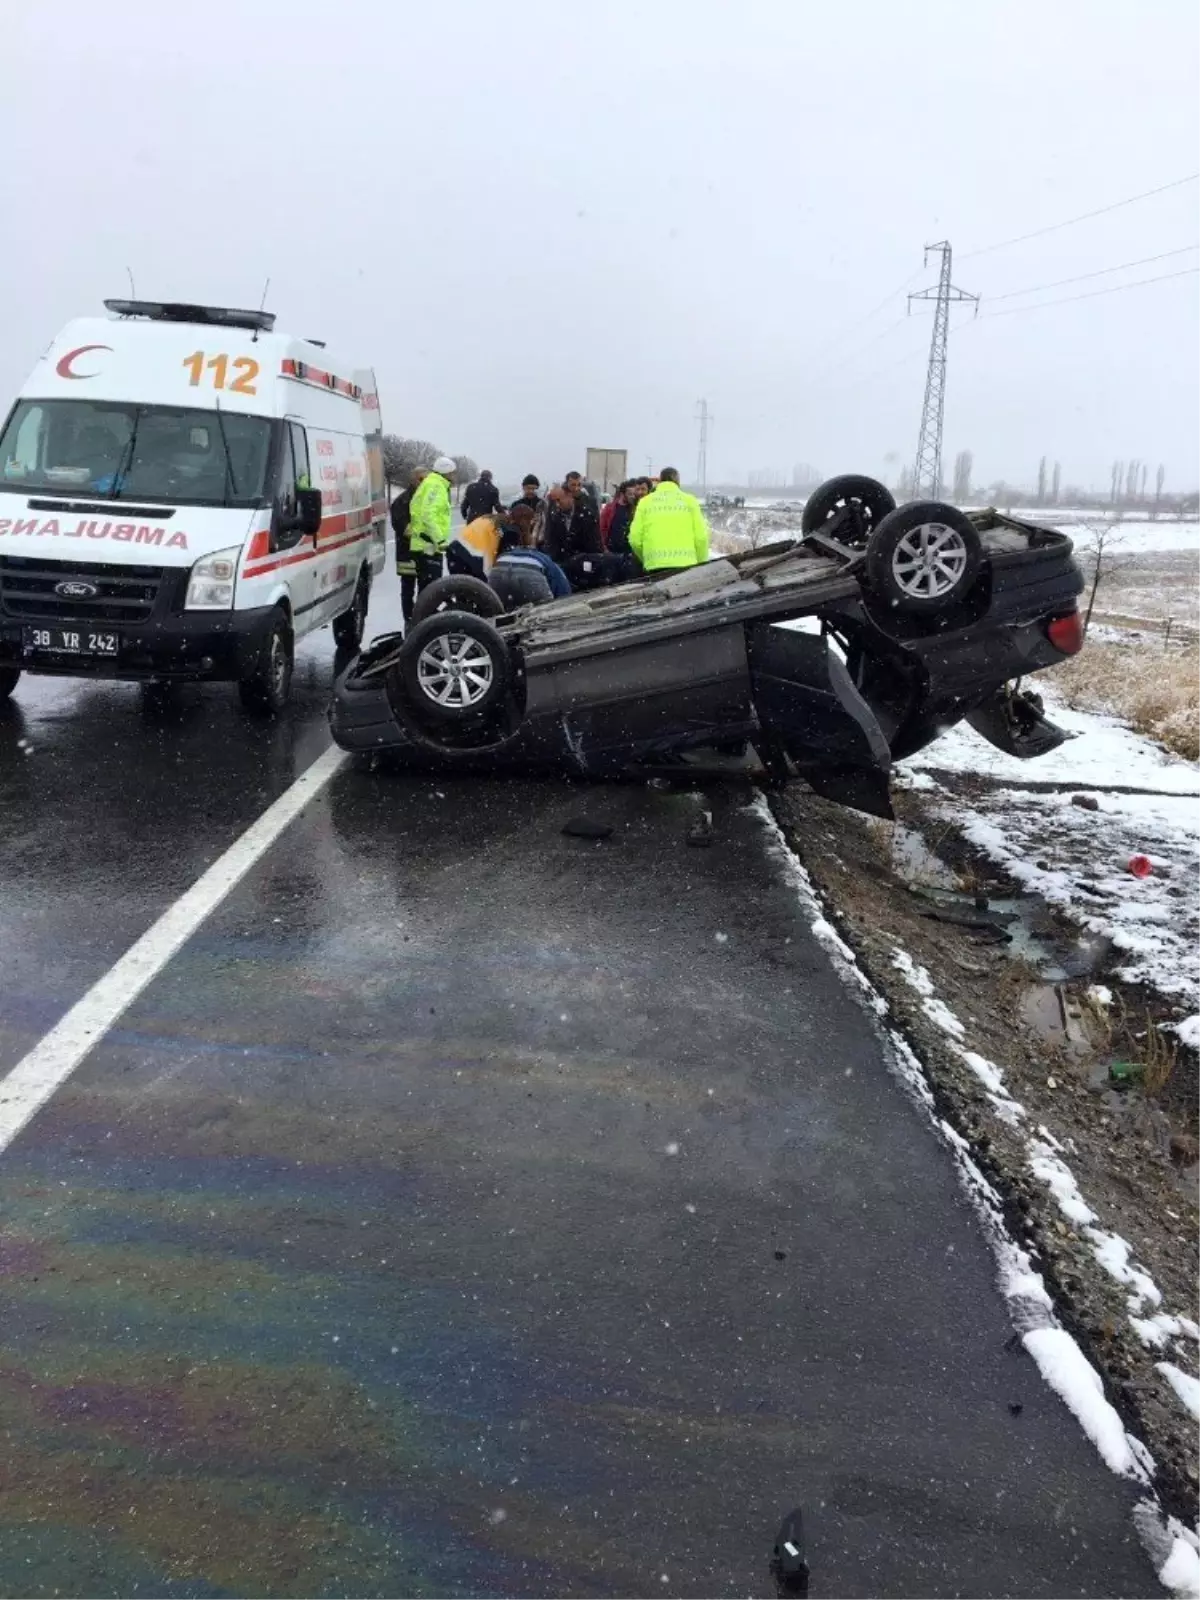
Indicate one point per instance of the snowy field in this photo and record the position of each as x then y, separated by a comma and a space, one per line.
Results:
1076, 858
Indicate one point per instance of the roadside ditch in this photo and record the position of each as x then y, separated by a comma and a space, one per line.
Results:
1089, 1135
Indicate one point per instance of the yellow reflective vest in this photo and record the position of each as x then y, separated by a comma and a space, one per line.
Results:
429, 516
668, 529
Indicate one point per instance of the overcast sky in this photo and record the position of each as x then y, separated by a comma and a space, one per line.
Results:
549, 224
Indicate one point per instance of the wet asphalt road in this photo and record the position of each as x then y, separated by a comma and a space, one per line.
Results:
468, 1209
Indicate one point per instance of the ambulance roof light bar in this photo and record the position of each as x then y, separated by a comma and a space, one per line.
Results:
174, 311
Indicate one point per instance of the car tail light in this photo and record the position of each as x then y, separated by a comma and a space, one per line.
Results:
1066, 633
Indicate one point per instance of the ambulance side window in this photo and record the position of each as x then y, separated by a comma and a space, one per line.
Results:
300, 451
286, 533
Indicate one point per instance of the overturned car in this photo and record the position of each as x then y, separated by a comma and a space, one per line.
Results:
832, 656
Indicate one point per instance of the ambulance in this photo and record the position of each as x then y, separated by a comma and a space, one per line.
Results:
184, 494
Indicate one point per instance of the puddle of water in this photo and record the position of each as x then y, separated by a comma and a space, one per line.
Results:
915, 862
1023, 922
1055, 956
1049, 1013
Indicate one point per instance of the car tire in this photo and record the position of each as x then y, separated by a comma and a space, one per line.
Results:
847, 508
265, 690
348, 629
924, 557
457, 593
9, 677
453, 668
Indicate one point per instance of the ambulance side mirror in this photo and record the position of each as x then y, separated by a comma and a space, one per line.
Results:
308, 511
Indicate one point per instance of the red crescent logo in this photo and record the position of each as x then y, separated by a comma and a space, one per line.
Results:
64, 366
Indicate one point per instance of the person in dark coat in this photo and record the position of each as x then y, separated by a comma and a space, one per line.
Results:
480, 498
531, 495
406, 569
571, 534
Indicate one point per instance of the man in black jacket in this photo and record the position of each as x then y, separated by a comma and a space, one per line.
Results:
531, 494
571, 535
406, 570
480, 498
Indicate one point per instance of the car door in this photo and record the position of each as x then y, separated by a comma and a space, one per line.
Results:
299, 559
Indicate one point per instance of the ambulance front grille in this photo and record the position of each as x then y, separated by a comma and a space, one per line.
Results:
32, 588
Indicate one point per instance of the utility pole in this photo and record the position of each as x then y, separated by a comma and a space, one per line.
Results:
704, 418
927, 473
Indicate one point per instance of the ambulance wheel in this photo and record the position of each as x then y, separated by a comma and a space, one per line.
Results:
847, 508
457, 593
348, 629
265, 690
8, 680
454, 668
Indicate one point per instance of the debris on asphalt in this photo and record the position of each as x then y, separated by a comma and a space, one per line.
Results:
701, 832
788, 1565
587, 828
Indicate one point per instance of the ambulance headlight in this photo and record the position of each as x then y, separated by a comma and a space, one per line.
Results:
210, 587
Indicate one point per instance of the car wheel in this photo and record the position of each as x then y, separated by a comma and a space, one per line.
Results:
847, 508
457, 594
454, 667
924, 557
348, 629
8, 680
265, 690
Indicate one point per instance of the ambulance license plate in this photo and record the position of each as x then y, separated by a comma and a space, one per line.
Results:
71, 642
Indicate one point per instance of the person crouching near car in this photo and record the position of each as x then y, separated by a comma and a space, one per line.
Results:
474, 547
429, 521
523, 575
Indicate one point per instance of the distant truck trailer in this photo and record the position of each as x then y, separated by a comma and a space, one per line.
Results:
607, 468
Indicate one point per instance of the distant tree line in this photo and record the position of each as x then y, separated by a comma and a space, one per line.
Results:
1127, 489
403, 457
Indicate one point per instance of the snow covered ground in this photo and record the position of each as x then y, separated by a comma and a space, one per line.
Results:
1076, 858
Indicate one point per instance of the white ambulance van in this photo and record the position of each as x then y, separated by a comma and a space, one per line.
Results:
184, 493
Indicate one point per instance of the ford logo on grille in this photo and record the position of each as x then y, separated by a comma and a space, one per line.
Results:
75, 589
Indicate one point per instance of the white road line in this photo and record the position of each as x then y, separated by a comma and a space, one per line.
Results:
25, 1089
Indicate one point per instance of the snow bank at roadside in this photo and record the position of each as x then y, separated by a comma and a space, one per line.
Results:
1104, 753
1077, 858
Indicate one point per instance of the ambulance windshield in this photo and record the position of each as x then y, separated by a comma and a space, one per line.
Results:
118, 450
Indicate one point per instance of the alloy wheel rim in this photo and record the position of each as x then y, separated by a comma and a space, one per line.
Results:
455, 670
929, 561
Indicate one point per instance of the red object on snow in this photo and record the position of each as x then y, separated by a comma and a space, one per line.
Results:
1140, 866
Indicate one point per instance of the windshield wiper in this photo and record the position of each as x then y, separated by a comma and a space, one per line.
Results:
228, 458
126, 461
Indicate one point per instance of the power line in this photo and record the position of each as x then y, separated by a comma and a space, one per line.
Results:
842, 358
1092, 294
853, 327
1101, 272
1085, 216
